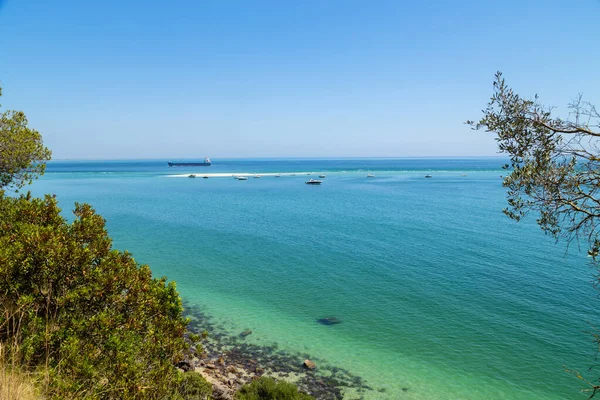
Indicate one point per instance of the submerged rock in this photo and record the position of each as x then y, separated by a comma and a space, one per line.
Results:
246, 333
309, 364
329, 321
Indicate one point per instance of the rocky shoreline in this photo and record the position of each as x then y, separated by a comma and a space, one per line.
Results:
228, 362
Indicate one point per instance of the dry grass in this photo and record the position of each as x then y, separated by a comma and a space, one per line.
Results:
15, 384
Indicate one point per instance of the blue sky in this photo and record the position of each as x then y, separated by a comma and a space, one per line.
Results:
148, 79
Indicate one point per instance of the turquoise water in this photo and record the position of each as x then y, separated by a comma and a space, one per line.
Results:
438, 291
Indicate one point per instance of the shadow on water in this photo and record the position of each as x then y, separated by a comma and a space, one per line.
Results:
326, 382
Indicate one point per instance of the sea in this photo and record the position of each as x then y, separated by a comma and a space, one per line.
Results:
439, 295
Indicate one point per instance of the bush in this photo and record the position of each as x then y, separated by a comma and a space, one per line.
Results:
193, 386
96, 320
269, 389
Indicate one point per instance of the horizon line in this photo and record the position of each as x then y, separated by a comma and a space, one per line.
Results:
165, 159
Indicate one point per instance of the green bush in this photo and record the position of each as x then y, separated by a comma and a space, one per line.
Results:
96, 320
269, 389
192, 386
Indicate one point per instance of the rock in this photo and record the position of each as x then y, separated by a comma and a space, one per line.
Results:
309, 364
220, 393
231, 369
329, 321
405, 389
259, 370
184, 365
221, 361
246, 333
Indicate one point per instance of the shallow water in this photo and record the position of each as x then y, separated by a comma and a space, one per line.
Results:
438, 292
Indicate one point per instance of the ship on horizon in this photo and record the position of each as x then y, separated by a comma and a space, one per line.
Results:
205, 163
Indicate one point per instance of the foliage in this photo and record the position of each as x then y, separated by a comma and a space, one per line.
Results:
22, 153
269, 389
554, 166
554, 162
192, 386
98, 322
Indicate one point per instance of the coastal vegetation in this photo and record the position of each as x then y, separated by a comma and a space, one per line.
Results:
269, 389
86, 319
23, 155
554, 170
97, 322
14, 383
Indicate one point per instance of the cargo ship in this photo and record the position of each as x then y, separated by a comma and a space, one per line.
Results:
205, 163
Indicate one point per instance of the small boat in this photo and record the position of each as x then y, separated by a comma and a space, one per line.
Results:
205, 177
321, 176
313, 182
463, 174
277, 175
428, 176
242, 178
191, 176
257, 176
369, 175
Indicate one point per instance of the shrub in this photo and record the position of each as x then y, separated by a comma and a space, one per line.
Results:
96, 320
192, 386
269, 389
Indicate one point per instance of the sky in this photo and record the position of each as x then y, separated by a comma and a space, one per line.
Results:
243, 79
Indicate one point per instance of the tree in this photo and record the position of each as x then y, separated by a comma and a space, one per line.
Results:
554, 169
92, 319
98, 322
23, 155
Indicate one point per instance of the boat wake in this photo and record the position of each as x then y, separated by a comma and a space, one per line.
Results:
238, 174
